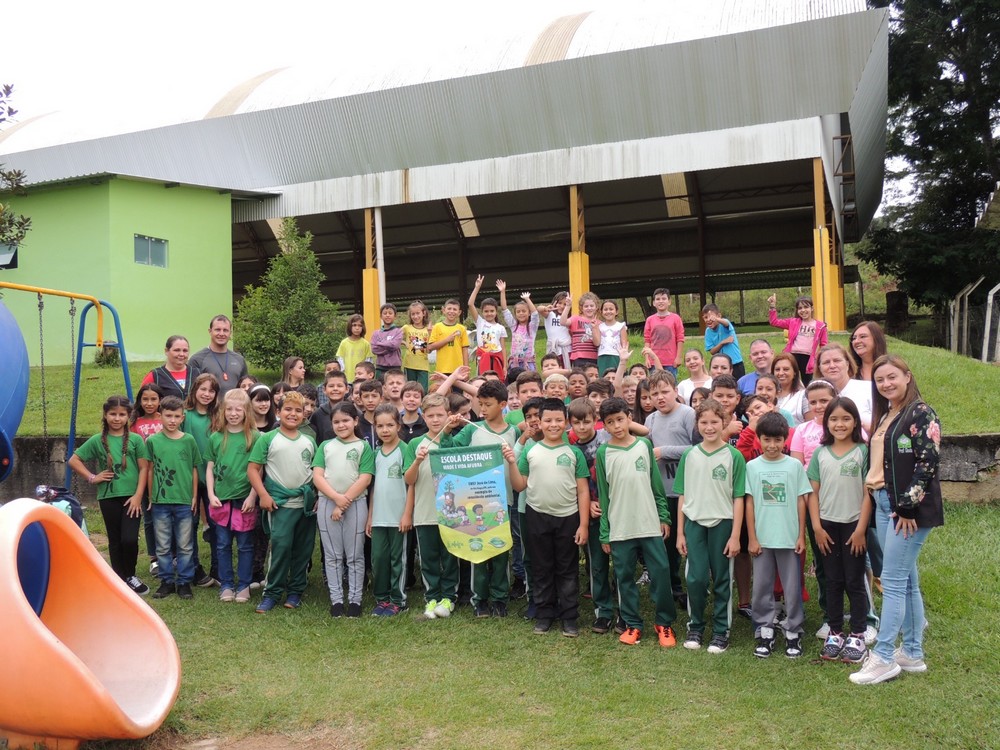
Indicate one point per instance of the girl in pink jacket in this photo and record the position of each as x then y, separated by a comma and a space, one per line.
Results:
805, 334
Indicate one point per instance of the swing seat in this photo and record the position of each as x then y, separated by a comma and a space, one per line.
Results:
84, 657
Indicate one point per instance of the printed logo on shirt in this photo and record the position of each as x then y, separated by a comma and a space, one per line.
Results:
563, 460
773, 491
395, 471
850, 468
904, 444
307, 457
353, 454
720, 474
640, 465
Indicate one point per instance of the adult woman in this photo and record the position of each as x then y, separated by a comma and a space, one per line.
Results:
835, 365
176, 375
791, 396
903, 480
293, 371
698, 376
867, 345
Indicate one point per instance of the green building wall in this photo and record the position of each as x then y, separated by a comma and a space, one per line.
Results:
82, 240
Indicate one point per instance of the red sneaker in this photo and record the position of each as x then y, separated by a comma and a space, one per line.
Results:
666, 636
631, 636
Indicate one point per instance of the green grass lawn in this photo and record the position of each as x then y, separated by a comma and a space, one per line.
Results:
405, 682
964, 392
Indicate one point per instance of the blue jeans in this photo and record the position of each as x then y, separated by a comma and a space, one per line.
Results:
244, 556
902, 602
174, 526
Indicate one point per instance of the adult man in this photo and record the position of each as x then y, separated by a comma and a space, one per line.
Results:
761, 355
227, 366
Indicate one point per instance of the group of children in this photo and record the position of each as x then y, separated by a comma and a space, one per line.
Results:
616, 465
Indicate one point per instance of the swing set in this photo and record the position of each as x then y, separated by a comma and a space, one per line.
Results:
77, 346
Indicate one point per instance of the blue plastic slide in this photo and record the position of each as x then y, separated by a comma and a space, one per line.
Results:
13, 386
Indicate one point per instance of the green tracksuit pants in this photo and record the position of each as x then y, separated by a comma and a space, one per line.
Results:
707, 561
600, 573
438, 567
293, 535
491, 580
625, 555
388, 558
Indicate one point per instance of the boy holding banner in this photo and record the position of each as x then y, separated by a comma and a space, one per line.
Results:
490, 579
555, 476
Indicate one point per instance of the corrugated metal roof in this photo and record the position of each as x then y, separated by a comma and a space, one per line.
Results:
597, 113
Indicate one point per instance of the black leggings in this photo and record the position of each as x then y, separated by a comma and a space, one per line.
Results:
123, 535
844, 572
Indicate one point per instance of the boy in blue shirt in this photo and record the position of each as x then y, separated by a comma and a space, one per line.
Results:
775, 506
720, 337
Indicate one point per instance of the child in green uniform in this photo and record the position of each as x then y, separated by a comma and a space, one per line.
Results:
390, 516
490, 580
173, 492
342, 471
287, 495
120, 455
634, 519
710, 485
200, 407
554, 477
232, 502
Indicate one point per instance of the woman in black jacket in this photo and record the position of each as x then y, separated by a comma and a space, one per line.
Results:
903, 481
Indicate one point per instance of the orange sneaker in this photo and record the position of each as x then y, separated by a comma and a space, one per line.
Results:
631, 636
666, 636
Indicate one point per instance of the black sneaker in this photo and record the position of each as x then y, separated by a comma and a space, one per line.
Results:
620, 625
353, 610
570, 629
482, 610
518, 589
165, 590
136, 585
601, 625
719, 643
745, 611
205, 581
498, 609
337, 610
184, 591
793, 647
693, 640
542, 626
765, 643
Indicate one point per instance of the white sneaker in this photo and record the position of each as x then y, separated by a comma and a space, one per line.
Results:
444, 608
429, 609
824, 632
908, 664
875, 670
871, 633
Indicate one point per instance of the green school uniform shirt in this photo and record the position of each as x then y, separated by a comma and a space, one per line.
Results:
230, 458
425, 502
173, 461
630, 490
481, 433
198, 426
776, 487
126, 481
343, 462
841, 482
552, 472
288, 461
709, 482
388, 487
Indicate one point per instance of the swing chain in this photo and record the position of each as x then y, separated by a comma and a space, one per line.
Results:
41, 362
72, 332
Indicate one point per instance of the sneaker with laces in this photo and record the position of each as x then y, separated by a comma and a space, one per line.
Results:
665, 634
765, 643
293, 601
391, 610
444, 608
136, 585
693, 640
482, 610
854, 649
542, 626
165, 590
227, 595
871, 634
354, 609
243, 595
379, 609
719, 643
266, 605
908, 663
620, 626
570, 629
643, 580
631, 637
745, 611
429, 612
337, 609
601, 625
875, 670
793, 646
184, 591
498, 609
833, 647
205, 581
824, 631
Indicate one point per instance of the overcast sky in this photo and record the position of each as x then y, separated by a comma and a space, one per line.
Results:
131, 65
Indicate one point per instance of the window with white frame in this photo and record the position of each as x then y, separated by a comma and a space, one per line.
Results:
150, 251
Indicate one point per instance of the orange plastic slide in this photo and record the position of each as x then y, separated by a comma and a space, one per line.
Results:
83, 657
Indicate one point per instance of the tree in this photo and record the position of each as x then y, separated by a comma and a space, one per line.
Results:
13, 226
944, 121
287, 314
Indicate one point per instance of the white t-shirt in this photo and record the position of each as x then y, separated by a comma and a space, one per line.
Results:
795, 404
860, 392
686, 387
489, 336
555, 331
611, 339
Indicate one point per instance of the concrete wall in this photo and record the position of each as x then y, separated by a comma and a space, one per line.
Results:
82, 240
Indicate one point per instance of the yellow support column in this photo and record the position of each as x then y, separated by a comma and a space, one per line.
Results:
579, 262
838, 320
821, 273
369, 278
819, 276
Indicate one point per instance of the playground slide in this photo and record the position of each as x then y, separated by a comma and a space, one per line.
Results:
13, 386
84, 657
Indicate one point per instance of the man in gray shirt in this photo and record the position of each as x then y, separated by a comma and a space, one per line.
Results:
217, 358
